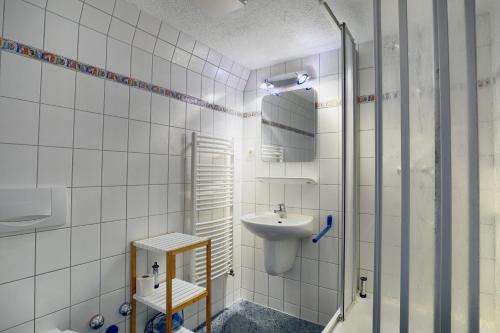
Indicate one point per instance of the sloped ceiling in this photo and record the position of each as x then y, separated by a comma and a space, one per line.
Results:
265, 32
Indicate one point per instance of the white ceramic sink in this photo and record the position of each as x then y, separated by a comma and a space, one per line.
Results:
281, 237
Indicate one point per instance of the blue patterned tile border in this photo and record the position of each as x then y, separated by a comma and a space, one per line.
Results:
44, 56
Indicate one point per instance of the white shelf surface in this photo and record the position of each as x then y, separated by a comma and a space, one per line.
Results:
288, 180
168, 242
181, 292
182, 329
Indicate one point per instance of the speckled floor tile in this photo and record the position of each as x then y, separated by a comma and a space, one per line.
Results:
247, 317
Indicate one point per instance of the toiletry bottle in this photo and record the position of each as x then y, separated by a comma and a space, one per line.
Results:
155, 274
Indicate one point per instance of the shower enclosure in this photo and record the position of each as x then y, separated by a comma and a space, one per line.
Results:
437, 266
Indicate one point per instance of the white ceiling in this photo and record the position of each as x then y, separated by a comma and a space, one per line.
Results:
266, 32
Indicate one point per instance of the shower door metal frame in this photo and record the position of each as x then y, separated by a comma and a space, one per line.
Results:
377, 273
355, 193
443, 273
345, 33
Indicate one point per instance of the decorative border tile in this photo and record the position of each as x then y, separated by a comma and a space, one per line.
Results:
44, 56
285, 127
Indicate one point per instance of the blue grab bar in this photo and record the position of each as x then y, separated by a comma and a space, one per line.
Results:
329, 224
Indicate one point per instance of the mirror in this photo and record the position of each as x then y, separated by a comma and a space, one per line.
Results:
289, 126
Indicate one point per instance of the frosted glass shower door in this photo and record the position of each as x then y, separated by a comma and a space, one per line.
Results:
427, 262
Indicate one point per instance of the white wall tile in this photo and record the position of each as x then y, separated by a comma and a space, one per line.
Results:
138, 136
121, 30
113, 238
88, 130
70, 9
140, 104
158, 199
164, 50
95, 19
52, 292
81, 313
61, 36
104, 5
178, 78
141, 64
112, 273
126, 11
23, 22
85, 282
20, 72
56, 126
18, 165
85, 244
115, 133
92, 47
86, 167
159, 139
137, 228
168, 33
138, 169
160, 109
137, 201
292, 292
144, 41
18, 121
117, 99
58, 319
58, 86
54, 166
114, 168
181, 57
13, 251
176, 197
201, 50
159, 169
118, 56
89, 93
328, 250
113, 203
196, 64
309, 296
86, 205
149, 23
109, 303
52, 250
17, 302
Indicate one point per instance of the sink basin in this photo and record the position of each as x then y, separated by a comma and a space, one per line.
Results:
281, 237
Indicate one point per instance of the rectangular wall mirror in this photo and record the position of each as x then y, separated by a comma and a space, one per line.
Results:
289, 126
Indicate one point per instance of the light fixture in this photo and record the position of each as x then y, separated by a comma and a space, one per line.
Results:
301, 78
266, 85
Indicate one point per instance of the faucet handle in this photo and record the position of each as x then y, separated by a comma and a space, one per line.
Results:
281, 207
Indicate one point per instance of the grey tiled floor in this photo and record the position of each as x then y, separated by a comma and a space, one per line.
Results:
246, 317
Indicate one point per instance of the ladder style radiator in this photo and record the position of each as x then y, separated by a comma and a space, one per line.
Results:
212, 185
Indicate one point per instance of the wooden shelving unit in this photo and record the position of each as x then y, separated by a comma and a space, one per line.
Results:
174, 294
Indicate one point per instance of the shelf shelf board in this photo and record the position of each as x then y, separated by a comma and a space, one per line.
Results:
183, 294
170, 242
288, 180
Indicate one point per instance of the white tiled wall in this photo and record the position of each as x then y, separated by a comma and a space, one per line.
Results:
488, 33
309, 290
366, 86
122, 151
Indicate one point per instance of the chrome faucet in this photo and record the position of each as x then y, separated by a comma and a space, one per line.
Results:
281, 211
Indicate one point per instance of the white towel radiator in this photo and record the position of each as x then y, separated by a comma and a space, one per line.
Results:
212, 185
